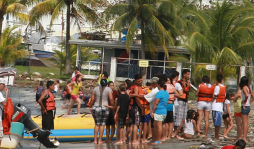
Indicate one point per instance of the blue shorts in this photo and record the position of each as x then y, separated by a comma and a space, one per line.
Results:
217, 118
246, 110
145, 118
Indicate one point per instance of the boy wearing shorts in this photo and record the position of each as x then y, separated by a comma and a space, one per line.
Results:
217, 105
122, 110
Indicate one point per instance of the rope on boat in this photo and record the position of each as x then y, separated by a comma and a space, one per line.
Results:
32, 130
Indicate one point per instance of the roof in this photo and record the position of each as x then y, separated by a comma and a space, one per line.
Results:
119, 45
7, 71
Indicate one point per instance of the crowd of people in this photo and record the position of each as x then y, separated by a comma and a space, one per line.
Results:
158, 111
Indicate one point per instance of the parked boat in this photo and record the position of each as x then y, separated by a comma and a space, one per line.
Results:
12, 140
70, 127
23, 114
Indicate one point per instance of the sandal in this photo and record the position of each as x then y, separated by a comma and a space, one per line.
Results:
156, 142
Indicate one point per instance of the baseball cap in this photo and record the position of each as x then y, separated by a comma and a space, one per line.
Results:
2, 81
154, 80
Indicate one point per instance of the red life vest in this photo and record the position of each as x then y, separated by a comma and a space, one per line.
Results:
171, 90
50, 102
8, 112
205, 93
222, 94
140, 91
186, 91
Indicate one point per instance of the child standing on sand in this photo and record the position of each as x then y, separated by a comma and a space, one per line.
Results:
227, 115
122, 110
39, 89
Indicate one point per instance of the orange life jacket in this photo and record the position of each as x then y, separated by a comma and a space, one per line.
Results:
50, 102
171, 90
186, 91
222, 94
8, 112
140, 91
205, 93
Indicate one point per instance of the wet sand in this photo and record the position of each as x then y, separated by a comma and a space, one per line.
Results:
26, 97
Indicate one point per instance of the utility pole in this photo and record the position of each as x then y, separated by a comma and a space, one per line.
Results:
62, 26
28, 44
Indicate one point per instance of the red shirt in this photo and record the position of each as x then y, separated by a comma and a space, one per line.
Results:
228, 147
115, 95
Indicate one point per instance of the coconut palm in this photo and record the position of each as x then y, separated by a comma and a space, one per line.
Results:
17, 9
76, 10
227, 37
140, 15
60, 57
176, 16
10, 40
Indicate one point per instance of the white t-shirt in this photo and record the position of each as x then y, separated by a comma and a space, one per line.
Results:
1, 100
217, 106
150, 97
208, 85
178, 88
225, 106
248, 100
73, 74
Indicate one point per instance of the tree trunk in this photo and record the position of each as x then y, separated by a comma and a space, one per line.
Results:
142, 52
68, 53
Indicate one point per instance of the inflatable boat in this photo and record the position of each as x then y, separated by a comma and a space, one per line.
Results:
12, 140
70, 127
22, 114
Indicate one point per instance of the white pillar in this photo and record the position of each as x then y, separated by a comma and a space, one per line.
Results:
102, 60
78, 57
242, 71
164, 68
179, 69
113, 68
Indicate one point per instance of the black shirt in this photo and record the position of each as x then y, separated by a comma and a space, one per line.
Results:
123, 101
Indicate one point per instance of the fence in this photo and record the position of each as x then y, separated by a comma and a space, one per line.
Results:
125, 68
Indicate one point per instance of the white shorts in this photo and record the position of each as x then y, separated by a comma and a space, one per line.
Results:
204, 105
158, 117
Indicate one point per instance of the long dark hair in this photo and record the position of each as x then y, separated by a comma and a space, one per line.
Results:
171, 79
76, 79
162, 84
196, 116
189, 115
129, 83
244, 82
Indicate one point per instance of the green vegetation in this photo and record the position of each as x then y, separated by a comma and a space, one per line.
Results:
60, 57
78, 10
143, 15
44, 71
10, 40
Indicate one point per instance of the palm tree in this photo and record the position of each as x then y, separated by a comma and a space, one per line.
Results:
86, 55
226, 38
140, 15
14, 8
176, 16
9, 42
76, 10
60, 57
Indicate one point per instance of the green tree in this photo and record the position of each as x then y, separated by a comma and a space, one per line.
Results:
15, 8
60, 57
227, 36
10, 40
77, 10
140, 15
